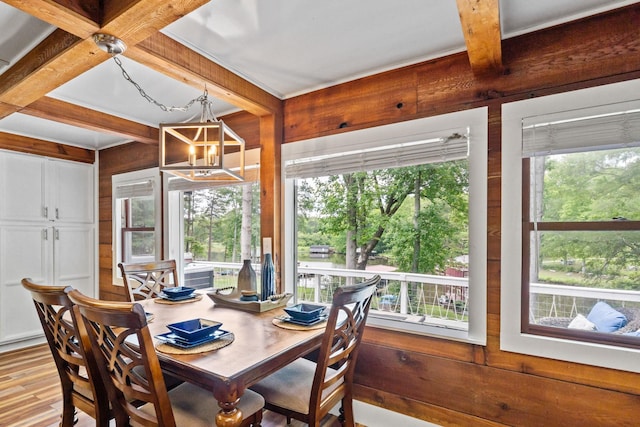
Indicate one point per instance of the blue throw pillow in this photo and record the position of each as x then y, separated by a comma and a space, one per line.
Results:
606, 318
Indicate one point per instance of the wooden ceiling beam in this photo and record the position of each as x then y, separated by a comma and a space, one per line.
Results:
75, 115
56, 60
63, 56
29, 145
480, 20
78, 18
173, 59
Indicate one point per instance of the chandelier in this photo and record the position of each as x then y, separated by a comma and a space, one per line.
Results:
207, 143
191, 150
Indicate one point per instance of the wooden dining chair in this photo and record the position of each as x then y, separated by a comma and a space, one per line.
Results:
119, 337
306, 390
81, 388
145, 280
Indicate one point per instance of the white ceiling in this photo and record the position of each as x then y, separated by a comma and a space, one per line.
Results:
286, 47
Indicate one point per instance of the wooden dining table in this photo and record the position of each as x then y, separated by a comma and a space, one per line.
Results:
259, 348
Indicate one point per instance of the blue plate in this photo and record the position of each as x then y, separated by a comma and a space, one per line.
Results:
311, 322
305, 312
172, 298
176, 341
194, 329
178, 291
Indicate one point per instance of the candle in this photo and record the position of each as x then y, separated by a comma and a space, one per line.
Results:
266, 245
192, 155
213, 156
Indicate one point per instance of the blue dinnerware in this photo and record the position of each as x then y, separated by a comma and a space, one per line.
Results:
178, 292
194, 329
305, 312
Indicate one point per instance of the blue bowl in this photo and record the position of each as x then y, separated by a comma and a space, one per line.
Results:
194, 329
305, 312
178, 291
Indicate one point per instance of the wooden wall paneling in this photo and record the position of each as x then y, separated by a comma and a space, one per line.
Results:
247, 126
371, 101
498, 395
40, 147
419, 343
549, 61
419, 409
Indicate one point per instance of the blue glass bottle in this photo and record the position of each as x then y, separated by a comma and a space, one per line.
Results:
268, 278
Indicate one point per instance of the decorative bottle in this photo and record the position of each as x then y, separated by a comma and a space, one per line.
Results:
268, 272
247, 277
268, 279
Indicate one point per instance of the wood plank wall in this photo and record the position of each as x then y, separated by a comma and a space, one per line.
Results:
451, 383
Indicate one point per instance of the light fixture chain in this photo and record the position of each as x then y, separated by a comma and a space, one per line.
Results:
148, 97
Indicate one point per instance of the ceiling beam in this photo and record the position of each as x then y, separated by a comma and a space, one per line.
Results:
63, 56
26, 144
480, 20
80, 18
173, 59
75, 115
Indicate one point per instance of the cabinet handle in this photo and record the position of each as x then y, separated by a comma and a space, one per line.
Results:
45, 234
57, 214
45, 212
57, 234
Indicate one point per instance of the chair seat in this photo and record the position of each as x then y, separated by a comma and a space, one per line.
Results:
194, 406
290, 387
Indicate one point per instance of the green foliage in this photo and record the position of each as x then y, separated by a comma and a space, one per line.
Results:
213, 221
593, 186
376, 209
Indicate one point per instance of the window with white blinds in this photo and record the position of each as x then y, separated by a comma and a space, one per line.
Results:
367, 153
438, 139
589, 129
454, 146
133, 189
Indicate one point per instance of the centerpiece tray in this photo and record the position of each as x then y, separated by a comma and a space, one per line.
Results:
232, 300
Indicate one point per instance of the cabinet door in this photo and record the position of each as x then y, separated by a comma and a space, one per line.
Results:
22, 191
70, 192
26, 251
74, 258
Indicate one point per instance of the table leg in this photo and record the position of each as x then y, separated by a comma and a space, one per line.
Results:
229, 415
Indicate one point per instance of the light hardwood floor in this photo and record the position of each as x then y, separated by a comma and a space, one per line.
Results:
30, 394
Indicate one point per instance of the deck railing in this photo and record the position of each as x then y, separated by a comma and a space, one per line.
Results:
429, 298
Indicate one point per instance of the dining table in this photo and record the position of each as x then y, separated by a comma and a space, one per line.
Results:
260, 345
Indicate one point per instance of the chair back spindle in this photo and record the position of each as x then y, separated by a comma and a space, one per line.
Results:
147, 279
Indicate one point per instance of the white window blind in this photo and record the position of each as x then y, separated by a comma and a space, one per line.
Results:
134, 189
582, 130
453, 146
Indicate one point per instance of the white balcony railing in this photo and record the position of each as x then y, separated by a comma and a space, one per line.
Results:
428, 298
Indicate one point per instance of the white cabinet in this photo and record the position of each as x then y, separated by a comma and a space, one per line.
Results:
47, 233
35, 188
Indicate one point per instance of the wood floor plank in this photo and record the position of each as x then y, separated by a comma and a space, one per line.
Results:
30, 393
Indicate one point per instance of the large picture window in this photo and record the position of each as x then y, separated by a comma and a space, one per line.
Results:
406, 201
578, 160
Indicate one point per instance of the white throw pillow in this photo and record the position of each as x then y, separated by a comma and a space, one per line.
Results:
581, 322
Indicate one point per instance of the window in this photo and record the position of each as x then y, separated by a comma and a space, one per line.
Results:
571, 173
136, 218
212, 226
351, 211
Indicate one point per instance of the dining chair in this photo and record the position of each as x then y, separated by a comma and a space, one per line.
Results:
145, 280
307, 390
119, 337
81, 388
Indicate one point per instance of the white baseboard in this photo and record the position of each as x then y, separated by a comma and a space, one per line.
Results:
374, 416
